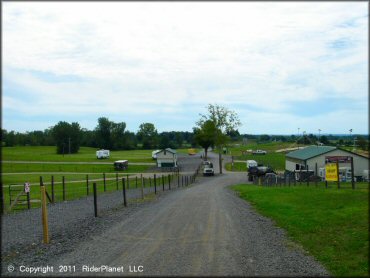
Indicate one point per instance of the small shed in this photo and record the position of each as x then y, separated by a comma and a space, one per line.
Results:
167, 158
313, 158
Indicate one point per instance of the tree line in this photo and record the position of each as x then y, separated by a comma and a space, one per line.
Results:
68, 137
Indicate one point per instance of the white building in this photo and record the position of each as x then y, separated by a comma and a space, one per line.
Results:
313, 158
167, 158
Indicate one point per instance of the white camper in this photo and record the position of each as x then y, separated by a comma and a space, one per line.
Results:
251, 163
154, 154
102, 154
365, 175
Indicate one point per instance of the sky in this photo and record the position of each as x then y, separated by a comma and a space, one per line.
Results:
283, 67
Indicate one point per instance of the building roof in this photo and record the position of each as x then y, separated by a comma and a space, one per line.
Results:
309, 152
168, 150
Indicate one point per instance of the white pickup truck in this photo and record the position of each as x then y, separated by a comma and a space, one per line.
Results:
208, 168
259, 152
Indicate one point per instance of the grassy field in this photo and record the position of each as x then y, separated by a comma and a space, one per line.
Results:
238, 167
252, 145
274, 160
84, 168
85, 154
331, 224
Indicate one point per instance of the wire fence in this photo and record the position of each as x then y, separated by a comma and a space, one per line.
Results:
292, 179
70, 203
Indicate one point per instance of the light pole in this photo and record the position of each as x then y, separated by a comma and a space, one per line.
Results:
350, 135
298, 139
319, 135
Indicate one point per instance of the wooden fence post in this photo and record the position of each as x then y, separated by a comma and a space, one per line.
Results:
28, 200
87, 185
117, 180
155, 184
44, 214
95, 200
338, 174
64, 188
52, 190
308, 178
142, 188
169, 182
124, 192
105, 187
163, 182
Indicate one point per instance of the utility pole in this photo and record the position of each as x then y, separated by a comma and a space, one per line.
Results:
298, 139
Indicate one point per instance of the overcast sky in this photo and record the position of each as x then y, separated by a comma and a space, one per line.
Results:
281, 66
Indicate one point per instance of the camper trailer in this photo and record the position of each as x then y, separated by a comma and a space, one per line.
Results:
251, 163
102, 154
154, 154
365, 175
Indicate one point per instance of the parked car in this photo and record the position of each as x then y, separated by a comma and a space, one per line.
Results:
208, 170
259, 152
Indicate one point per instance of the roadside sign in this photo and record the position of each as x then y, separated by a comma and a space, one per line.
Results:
340, 159
27, 187
331, 172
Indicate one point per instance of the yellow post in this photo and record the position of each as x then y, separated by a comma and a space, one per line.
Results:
45, 227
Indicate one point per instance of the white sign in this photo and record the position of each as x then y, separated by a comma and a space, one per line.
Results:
27, 187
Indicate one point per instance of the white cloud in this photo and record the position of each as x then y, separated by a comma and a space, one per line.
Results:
135, 56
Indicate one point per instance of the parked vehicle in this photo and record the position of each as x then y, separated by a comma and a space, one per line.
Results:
258, 171
192, 151
251, 163
102, 154
208, 170
259, 152
365, 175
120, 164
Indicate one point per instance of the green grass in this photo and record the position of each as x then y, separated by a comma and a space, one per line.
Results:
331, 224
85, 154
84, 168
274, 160
252, 145
238, 167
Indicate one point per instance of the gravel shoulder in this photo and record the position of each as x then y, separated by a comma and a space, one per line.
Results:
201, 230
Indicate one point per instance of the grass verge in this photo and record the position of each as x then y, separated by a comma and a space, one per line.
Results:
331, 224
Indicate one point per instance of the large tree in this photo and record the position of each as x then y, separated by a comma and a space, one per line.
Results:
103, 133
205, 135
67, 137
225, 121
148, 135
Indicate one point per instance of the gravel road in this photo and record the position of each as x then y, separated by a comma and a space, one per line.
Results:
201, 230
